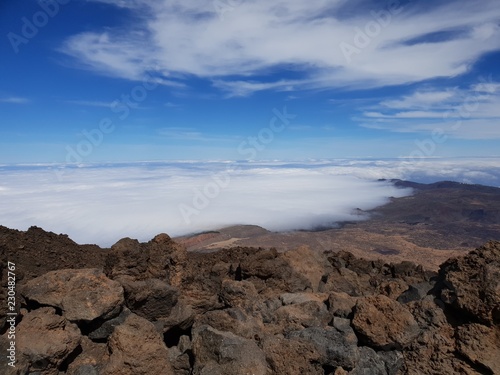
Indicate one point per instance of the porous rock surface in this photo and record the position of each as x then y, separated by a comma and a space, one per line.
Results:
154, 308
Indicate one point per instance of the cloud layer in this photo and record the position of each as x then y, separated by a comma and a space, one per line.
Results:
103, 203
325, 43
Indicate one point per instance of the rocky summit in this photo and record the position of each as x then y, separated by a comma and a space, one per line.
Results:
155, 308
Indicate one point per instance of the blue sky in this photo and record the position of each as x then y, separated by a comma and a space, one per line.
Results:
128, 80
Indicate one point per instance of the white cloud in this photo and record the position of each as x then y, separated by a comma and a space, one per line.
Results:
90, 103
472, 113
420, 99
189, 37
192, 134
102, 204
172, 105
14, 100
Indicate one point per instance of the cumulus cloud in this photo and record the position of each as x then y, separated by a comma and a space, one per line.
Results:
103, 203
235, 43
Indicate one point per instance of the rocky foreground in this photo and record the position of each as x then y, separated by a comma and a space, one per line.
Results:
154, 308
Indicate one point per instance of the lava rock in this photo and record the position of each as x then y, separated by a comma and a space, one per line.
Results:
224, 353
45, 340
136, 348
337, 346
471, 284
384, 323
82, 295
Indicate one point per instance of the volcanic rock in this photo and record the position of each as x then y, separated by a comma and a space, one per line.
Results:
136, 348
471, 284
292, 356
84, 294
337, 346
152, 299
161, 258
384, 323
479, 344
45, 340
223, 353
160, 310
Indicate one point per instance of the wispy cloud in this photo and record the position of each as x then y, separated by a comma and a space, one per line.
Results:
172, 105
90, 103
15, 100
192, 134
188, 38
181, 133
469, 113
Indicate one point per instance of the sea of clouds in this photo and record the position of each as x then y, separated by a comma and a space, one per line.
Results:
101, 203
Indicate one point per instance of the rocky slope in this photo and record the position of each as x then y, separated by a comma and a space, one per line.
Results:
154, 308
439, 221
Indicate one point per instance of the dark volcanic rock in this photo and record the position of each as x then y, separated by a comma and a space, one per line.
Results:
336, 345
152, 299
223, 353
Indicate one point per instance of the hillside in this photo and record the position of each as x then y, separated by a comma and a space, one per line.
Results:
155, 308
438, 221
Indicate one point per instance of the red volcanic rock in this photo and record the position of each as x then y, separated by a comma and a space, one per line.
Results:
471, 284
84, 294
136, 348
160, 310
45, 340
384, 323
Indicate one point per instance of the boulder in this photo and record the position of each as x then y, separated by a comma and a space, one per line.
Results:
44, 340
105, 330
344, 280
383, 323
291, 356
88, 362
152, 299
480, 345
416, 292
369, 363
238, 293
82, 295
234, 320
337, 345
393, 288
309, 264
341, 304
223, 353
471, 284
298, 316
161, 258
136, 348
